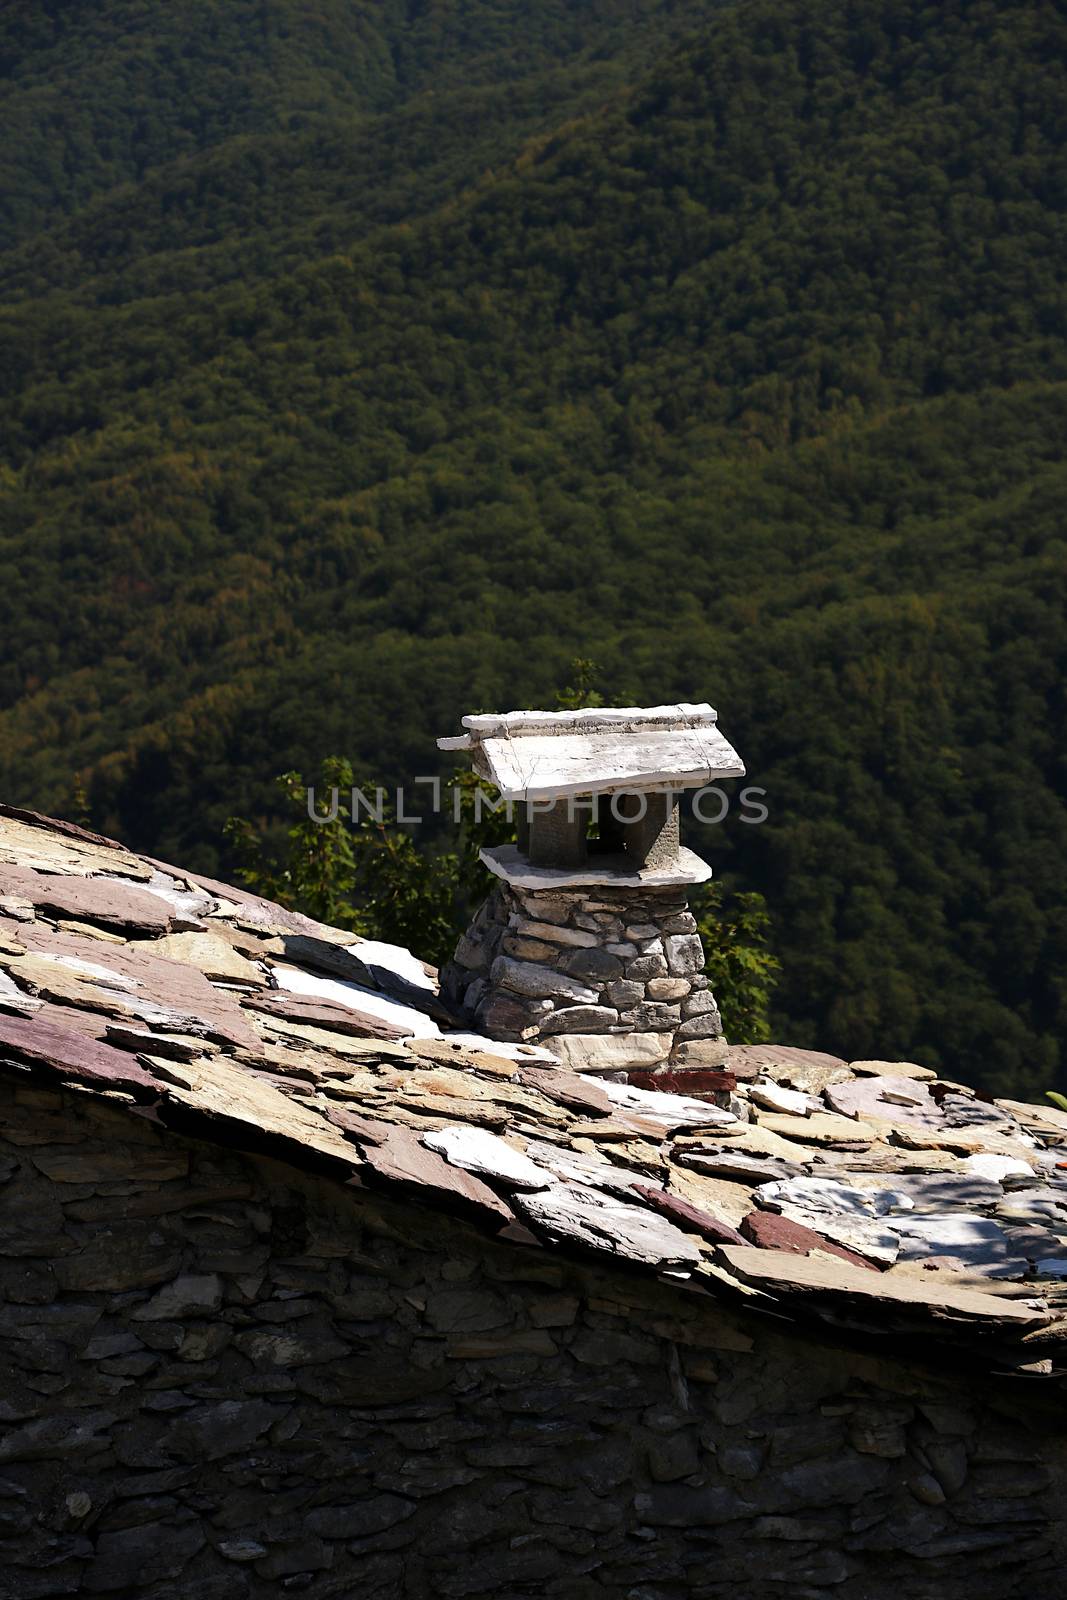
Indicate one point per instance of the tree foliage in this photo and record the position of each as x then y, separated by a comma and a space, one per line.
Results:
455, 342
739, 962
352, 866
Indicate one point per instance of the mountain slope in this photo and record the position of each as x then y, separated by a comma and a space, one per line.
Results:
751, 382
169, 110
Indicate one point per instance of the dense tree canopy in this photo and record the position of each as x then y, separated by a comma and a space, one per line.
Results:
379, 386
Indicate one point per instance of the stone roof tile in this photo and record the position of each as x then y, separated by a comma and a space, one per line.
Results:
275, 1033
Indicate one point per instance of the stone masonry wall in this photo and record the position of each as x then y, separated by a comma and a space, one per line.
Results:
577, 969
224, 1379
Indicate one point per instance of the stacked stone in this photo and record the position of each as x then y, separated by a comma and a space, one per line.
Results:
589, 964
225, 1379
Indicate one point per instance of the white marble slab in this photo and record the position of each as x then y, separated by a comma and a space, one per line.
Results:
554, 766
589, 718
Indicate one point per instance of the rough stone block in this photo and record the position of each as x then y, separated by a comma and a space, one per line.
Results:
505, 1018
649, 828
129, 1558
706, 1027
684, 952
474, 994
528, 949
669, 989
609, 1052
294, 1556
642, 968
556, 935
701, 1052
528, 978
580, 1019
679, 1506
624, 993
558, 834
591, 966
360, 1519
653, 1015
189, 1296
545, 908
673, 1458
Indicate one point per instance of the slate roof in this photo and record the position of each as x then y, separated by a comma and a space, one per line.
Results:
874, 1198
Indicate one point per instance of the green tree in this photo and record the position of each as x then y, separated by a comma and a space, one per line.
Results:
739, 962
583, 693
362, 872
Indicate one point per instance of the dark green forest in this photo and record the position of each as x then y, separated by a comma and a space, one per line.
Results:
365, 364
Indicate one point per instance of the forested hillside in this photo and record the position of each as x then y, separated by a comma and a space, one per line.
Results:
380, 385
274, 129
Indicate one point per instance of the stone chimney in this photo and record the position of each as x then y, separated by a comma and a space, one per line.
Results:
586, 944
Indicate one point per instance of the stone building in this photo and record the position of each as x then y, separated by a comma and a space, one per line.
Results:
586, 943
305, 1289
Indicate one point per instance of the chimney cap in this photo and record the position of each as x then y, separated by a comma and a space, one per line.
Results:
549, 755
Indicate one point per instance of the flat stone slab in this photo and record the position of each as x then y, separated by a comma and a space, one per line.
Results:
602, 1222
689, 1217
104, 900
831, 1197
401, 1158
822, 1127
887, 1098
212, 955
553, 766
584, 1170
476, 1150
977, 1241
567, 1088
1005, 1170
791, 1102
327, 1014
807, 1070
67, 1051
674, 1110
931, 1194
773, 1232
587, 719
610, 872
816, 1276
892, 1069
736, 1164
693, 1081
